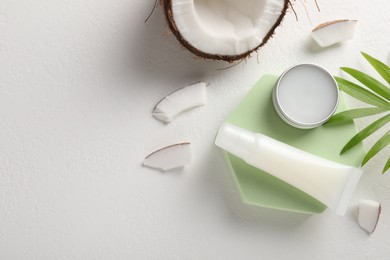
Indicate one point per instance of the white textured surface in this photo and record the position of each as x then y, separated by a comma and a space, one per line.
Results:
78, 82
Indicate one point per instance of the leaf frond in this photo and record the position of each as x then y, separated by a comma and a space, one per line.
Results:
376, 86
351, 114
363, 134
379, 66
377, 147
361, 93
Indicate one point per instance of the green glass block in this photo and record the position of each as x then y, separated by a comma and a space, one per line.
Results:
256, 113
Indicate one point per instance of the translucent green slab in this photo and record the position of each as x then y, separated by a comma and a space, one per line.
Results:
256, 113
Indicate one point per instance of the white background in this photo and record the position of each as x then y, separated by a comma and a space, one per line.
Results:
78, 81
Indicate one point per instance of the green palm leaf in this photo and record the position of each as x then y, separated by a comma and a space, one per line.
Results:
360, 93
387, 166
376, 94
366, 132
379, 66
355, 113
377, 147
369, 82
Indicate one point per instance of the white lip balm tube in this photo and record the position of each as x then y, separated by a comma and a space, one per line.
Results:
329, 182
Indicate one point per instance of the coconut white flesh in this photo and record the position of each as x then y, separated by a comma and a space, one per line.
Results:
183, 99
369, 211
170, 157
225, 27
329, 33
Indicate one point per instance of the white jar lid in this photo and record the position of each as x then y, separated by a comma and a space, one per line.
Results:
305, 96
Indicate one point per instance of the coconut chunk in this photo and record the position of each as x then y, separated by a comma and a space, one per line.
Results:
369, 212
223, 29
169, 157
329, 33
181, 100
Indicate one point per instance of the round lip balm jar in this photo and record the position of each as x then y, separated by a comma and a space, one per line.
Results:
305, 96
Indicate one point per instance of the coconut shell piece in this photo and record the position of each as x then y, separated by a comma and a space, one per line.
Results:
369, 212
181, 100
332, 32
169, 157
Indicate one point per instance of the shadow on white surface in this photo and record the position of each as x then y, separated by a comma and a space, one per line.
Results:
257, 217
313, 47
156, 53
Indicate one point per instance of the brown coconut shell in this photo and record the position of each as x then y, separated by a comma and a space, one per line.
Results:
330, 23
167, 9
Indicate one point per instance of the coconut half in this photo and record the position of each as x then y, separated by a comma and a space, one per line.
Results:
223, 29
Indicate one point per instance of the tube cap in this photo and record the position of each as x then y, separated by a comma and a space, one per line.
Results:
235, 140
